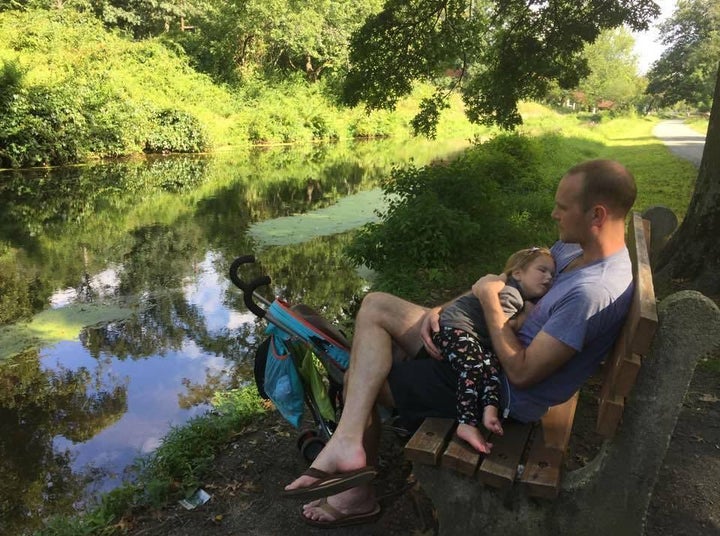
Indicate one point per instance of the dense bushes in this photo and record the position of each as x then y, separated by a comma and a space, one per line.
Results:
472, 211
71, 91
66, 123
176, 132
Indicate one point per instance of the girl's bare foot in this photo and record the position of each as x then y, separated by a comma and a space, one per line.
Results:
491, 421
473, 436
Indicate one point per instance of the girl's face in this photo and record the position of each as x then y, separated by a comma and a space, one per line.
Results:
536, 277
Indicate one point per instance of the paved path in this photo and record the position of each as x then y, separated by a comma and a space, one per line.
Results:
681, 140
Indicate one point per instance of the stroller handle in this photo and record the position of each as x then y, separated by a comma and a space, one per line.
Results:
249, 288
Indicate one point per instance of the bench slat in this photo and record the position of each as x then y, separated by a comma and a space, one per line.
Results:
541, 477
629, 368
557, 423
499, 468
609, 414
644, 330
460, 456
428, 442
634, 341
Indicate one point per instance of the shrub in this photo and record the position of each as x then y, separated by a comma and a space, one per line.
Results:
442, 218
174, 131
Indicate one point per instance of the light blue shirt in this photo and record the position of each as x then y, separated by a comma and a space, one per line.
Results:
585, 309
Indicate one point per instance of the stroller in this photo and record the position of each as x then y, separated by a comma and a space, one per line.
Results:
301, 363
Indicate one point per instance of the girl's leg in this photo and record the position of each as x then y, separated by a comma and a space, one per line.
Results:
464, 353
491, 392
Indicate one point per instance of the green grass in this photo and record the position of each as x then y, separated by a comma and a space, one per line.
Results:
172, 471
698, 124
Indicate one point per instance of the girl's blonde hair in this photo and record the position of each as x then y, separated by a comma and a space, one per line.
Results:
523, 258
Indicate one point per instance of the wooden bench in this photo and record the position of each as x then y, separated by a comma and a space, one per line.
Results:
533, 454
610, 494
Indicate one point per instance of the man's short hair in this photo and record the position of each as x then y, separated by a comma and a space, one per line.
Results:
608, 183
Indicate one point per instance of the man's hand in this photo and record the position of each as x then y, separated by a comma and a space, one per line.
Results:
488, 287
431, 324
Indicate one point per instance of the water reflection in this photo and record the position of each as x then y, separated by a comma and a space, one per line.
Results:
155, 238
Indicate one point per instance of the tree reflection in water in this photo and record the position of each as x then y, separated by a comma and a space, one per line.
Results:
157, 235
36, 406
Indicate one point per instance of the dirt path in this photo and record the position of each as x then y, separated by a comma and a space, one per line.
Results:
681, 140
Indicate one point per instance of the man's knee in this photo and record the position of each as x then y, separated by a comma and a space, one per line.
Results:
373, 305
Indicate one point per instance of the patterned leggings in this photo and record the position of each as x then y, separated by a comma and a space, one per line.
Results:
478, 369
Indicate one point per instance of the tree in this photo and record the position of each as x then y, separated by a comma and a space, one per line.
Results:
232, 38
686, 69
613, 70
497, 52
693, 253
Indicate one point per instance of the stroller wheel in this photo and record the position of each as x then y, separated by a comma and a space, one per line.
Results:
311, 447
306, 435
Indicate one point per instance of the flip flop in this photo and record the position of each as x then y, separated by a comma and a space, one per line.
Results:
331, 483
340, 519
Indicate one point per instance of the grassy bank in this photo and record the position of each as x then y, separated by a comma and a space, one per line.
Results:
173, 470
698, 124
70, 91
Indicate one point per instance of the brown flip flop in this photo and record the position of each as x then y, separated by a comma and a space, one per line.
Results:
340, 519
331, 483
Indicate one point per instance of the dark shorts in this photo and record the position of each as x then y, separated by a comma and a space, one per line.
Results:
425, 387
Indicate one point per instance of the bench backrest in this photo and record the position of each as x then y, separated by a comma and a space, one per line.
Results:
622, 366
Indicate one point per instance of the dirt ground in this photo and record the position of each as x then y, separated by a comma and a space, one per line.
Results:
249, 474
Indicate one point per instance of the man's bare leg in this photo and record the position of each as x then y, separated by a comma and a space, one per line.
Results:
382, 319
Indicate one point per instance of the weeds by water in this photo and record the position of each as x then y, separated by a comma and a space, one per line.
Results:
171, 471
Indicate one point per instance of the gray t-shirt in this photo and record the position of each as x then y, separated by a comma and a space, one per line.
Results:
585, 309
466, 313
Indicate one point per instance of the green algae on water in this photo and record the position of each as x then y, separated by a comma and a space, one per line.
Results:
347, 214
54, 325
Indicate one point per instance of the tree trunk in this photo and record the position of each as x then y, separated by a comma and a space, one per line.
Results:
693, 253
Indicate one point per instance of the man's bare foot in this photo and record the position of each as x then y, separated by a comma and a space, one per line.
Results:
473, 436
338, 456
353, 502
491, 421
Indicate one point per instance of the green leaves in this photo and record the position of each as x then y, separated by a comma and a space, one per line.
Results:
176, 132
443, 217
687, 69
505, 51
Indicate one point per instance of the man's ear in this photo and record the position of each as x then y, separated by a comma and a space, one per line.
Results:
599, 215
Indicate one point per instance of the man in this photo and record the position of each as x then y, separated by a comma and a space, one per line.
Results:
558, 347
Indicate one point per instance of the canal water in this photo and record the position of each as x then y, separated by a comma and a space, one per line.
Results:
117, 318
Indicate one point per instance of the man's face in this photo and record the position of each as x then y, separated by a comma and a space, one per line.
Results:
569, 214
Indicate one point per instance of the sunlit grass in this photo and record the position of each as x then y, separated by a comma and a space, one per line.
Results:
698, 124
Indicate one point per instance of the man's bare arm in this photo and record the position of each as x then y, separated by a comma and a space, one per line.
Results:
522, 366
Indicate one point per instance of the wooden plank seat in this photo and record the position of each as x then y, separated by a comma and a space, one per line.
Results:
533, 454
